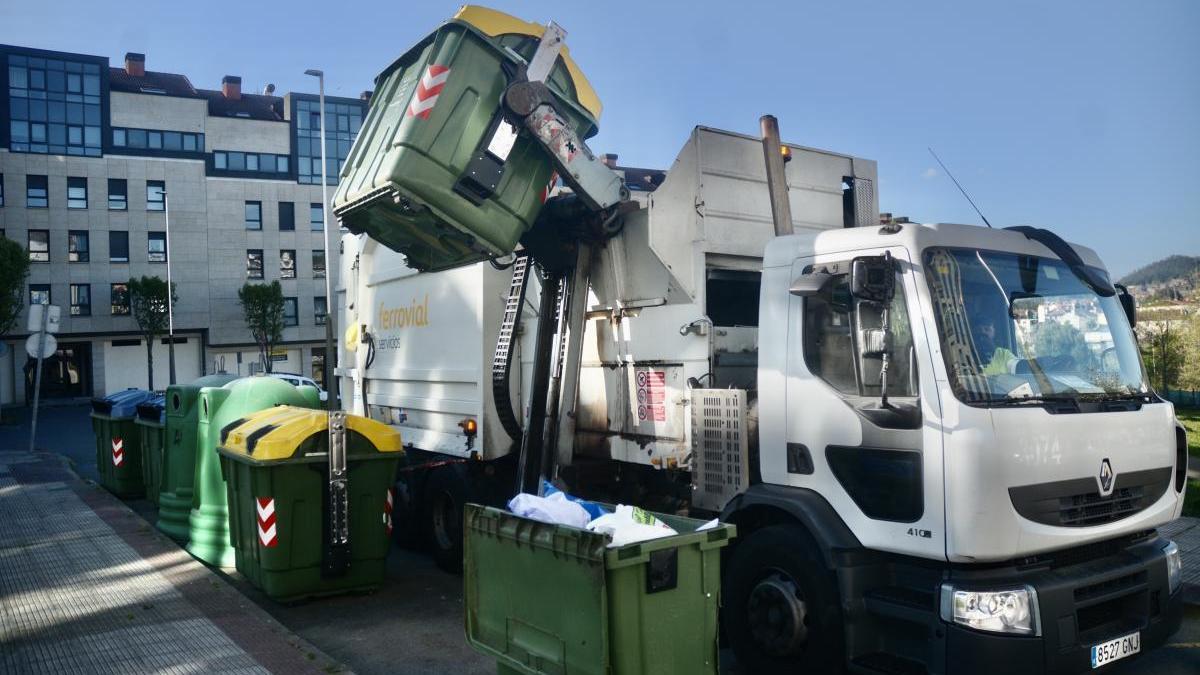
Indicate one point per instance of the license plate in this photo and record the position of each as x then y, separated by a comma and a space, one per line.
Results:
1114, 650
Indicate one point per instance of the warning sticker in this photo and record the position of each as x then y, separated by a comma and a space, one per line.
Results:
651, 395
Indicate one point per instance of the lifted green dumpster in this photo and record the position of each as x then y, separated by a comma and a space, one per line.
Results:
545, 598
119, 442
435, 172
221, 407
179, 453
150, 422
276, 467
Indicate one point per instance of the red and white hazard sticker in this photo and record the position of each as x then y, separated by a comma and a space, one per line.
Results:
550, 186
118, 451
428, 89
268, 535
387, 511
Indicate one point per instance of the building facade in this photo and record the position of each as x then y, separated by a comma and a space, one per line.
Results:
95, 161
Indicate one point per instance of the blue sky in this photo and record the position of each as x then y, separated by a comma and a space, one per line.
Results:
1083, 117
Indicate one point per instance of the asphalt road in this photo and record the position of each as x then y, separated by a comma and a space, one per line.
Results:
414, 624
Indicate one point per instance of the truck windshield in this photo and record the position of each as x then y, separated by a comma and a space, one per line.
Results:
1017, 327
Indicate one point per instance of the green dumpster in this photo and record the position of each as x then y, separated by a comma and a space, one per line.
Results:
545, 598
276, 467
150, 422
118, 442
179, 453
222, 407
431, 174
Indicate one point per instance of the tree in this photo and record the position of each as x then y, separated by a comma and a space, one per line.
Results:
14, 267
1189, 376
262, 305
148, 300
1163, 352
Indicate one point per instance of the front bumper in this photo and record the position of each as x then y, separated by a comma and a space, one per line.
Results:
1080, 605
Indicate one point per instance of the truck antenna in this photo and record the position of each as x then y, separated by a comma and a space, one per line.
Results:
960, 187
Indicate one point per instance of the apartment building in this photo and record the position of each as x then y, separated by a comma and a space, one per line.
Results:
95, 161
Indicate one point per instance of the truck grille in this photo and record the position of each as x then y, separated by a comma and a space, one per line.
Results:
1078, 503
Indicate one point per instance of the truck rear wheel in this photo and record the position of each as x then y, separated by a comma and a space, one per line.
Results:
780, 607
445, 494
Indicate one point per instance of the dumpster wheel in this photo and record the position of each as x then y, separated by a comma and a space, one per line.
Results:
781, 611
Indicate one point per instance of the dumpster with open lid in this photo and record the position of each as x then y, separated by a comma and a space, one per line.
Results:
118, 441
276, 467
150, 421
544, 598
179, 453
222, 407
435, 172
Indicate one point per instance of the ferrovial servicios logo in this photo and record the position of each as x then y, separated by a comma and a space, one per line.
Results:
1106, 478
414, 315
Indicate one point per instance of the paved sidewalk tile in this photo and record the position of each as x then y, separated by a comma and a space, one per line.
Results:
1186, 534
85, 588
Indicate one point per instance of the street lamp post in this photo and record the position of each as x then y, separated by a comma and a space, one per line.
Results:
330, 313
170, 293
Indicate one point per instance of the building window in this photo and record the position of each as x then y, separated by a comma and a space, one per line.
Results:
78, 246
37, 193
39, 294
318, 264
150, 139
290, 316
342, 122
253, 215
120, 299
287, 264
77, 193
320, 310
156, 247
54, 106
156, 195
249, 162
81, 300
254, 263
318, 366
118, 246
287, 216
118, 194
316, 218
39, 246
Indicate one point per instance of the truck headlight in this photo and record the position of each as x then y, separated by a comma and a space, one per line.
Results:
1011, 610
1174, 566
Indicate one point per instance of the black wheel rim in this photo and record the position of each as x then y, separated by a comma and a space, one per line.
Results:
776, 615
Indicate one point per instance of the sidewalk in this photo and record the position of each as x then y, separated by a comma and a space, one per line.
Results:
1186, 534
88, 586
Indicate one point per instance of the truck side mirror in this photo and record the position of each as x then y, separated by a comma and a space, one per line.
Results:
873, 278
1128, 304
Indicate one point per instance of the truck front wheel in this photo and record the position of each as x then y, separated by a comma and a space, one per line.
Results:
780, 608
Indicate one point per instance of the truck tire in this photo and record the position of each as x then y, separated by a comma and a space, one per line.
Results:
781, 611
445, 494
406, 522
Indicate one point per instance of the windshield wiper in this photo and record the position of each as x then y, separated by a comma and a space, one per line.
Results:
1034, 400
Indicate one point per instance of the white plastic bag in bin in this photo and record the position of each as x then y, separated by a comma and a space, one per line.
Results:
629, 524
555, 509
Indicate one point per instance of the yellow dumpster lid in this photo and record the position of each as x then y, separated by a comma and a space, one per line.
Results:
494, 23
276, 433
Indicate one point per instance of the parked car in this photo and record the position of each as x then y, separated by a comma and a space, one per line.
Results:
301, 381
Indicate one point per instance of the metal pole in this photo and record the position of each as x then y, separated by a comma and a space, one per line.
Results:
170, 300
37, 380
330, 314
781, 209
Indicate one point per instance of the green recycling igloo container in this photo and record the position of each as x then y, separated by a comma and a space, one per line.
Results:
417, 179
276, 467
221, 409
546, 598
150, 423
182, 403
119, 442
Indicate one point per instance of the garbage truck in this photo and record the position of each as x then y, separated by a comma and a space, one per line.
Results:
937, 442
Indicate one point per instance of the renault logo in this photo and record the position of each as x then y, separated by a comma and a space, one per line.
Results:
1106, 478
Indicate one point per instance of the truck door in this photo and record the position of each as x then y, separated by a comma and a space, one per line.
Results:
879, 467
